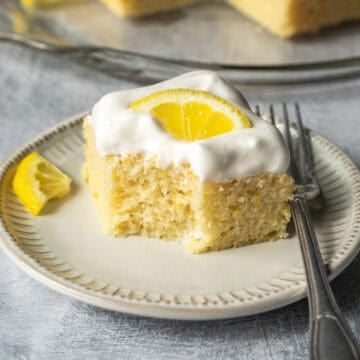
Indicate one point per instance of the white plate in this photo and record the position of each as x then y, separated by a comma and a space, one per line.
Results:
210, 31
65, 249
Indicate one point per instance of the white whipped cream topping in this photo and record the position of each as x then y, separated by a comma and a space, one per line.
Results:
239, 153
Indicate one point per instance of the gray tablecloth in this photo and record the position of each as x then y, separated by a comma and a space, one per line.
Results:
37, 91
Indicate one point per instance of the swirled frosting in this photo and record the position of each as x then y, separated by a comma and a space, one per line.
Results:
244, 152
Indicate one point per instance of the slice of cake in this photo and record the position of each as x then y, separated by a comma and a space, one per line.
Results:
285, 18
187, 160
291, 17
143, 7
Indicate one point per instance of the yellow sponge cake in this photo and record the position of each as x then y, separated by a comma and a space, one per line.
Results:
285, 18
187, 160
143, 7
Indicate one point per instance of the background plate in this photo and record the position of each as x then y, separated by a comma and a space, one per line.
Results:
208, 34
66, 250
208, 31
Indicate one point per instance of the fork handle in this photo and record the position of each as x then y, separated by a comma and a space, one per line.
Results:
330, 337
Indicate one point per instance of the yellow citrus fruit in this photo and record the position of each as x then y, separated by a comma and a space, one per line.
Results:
192, 114
37, 180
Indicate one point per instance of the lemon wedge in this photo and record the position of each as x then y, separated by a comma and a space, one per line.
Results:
37, 180
192, 114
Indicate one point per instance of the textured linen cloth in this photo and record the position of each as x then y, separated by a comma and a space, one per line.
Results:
37, 91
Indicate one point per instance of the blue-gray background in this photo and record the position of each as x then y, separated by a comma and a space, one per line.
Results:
37, 91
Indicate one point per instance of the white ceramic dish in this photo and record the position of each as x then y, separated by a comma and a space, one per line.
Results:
210, 31
65, 249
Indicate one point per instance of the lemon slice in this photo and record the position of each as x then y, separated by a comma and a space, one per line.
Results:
192, 114
37, 181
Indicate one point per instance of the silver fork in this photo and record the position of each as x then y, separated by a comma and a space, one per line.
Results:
330, 337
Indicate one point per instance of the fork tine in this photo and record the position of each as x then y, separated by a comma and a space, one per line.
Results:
309, 166
257, 110
293, 168
272, 116
303, 143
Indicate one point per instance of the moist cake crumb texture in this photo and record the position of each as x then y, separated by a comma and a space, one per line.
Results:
135, 196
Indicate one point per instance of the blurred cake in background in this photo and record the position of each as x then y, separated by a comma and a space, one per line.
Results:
284, 18
143, 7
287, 18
